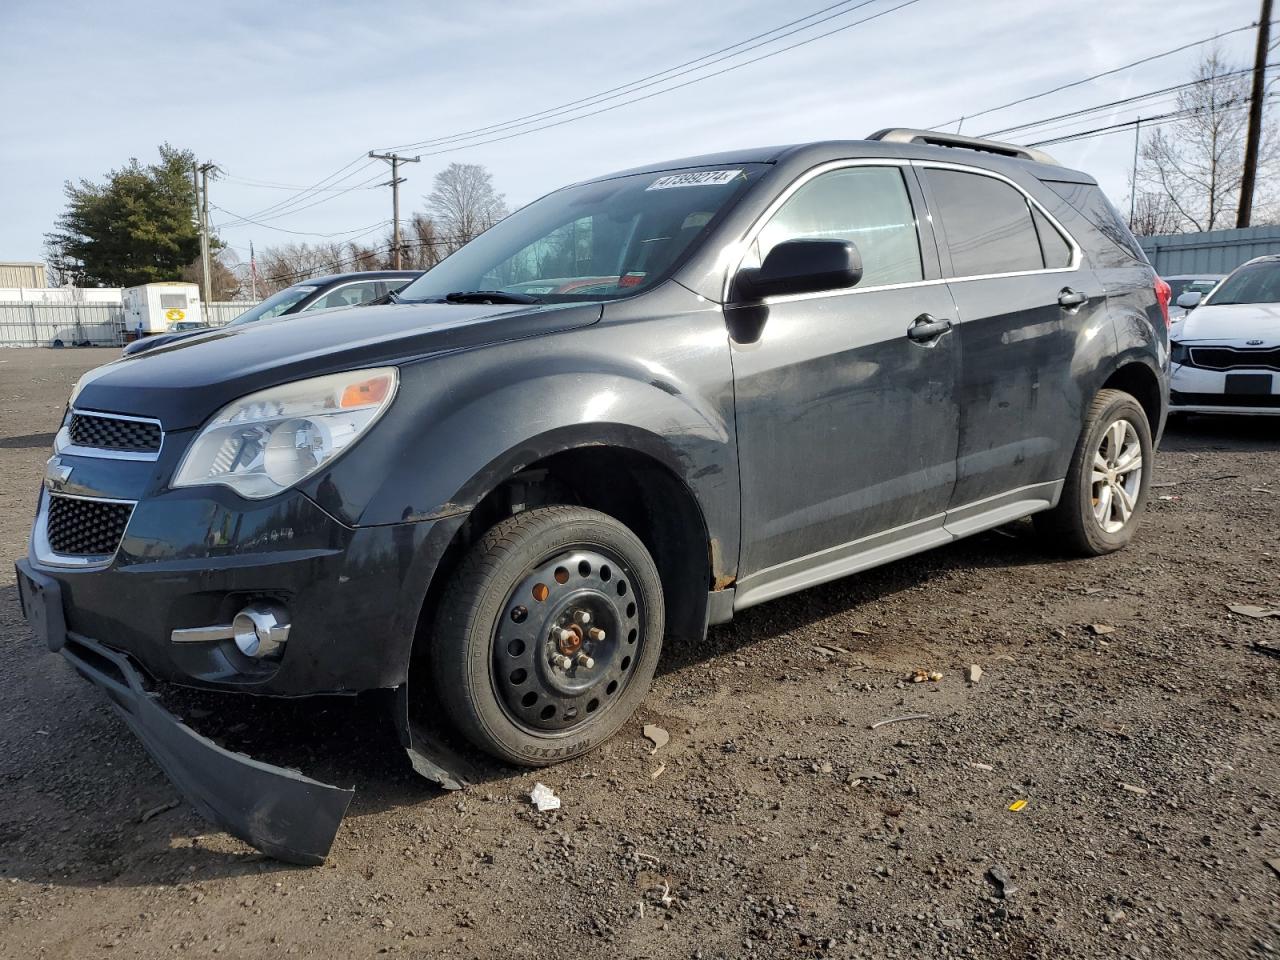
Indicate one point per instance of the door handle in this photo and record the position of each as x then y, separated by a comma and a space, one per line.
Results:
927, 327
1072, 298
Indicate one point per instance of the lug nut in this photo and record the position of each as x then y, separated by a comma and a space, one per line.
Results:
561, 661
596, 634
585, 661
583, 617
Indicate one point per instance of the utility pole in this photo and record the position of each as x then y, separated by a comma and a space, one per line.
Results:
253, 271
1245, 211
201, 176
1133, 188
394, 183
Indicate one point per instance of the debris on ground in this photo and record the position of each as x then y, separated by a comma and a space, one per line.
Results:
658, 771
1266, 648
1251, 610
1101, 629
920, 676
544, 798
1133, 788
657, 736
157, 810
1017, 805
975, 673
980, 766
1275, 865
904, 717
1004, 886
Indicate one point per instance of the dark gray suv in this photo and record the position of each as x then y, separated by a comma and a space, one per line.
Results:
631, 409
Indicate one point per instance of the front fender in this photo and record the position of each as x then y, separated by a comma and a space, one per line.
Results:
462, 423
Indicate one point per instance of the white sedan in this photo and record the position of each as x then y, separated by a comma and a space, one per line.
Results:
1225, 351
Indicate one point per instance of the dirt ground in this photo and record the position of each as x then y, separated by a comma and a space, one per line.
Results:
776, 822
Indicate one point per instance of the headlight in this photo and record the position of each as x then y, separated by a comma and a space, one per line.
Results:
1178, 352
269, 441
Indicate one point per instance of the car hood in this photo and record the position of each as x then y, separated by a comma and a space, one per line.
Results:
1232, 324
158, 340
184, 382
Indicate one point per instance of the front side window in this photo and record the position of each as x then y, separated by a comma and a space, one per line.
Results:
868, 205
346, 295
1252, 283
988, 224
594, 241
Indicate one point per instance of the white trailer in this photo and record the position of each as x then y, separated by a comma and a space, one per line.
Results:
156, 307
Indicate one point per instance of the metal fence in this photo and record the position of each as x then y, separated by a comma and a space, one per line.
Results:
1217, 251
95, 324
44, 324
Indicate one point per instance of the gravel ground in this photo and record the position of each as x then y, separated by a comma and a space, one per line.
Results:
1119, 698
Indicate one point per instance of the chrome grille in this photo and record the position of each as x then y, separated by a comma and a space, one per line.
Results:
79, 527
105, 432
1231, 358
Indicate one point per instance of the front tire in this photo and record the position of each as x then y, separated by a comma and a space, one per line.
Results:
548, 634
1107, 483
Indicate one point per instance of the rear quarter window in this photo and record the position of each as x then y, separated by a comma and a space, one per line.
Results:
1088, 200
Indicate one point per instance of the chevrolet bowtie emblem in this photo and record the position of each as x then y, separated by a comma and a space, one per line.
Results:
56, 474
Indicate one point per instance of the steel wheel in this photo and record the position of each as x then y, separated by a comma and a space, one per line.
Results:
1117, 476
564, 647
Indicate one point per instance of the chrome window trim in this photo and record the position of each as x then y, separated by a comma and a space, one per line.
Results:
46, 555
737, 252
62, 443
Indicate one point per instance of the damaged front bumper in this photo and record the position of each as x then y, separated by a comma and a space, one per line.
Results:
279, 811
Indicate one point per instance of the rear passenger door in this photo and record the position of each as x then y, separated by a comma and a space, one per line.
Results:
1029, 312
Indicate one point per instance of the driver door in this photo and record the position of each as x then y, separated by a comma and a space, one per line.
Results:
847, 426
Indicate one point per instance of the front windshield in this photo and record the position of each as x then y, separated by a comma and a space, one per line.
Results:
273, 306
595, 241
1252, 283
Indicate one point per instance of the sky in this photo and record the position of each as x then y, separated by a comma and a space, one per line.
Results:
289, 94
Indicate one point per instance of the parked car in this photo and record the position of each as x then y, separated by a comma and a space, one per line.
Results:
1225, 354
789, 365
1200, 283
318, 293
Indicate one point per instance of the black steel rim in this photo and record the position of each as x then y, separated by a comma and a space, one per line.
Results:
567, 640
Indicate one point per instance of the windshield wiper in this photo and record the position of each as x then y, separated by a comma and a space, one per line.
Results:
489, 296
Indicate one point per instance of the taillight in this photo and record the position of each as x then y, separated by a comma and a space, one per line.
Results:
1164, 294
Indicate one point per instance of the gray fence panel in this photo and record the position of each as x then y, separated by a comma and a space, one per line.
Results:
40, 324
1217, 251
219, 314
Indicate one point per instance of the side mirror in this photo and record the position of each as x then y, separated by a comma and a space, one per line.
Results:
1190, 300
801, 266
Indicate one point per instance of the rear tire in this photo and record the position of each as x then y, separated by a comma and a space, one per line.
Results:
1107, 482
517, 667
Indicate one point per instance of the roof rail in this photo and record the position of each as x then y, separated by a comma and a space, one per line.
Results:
935, 139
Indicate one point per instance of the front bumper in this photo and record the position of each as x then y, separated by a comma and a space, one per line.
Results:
279, 811
192, 559
1198, 390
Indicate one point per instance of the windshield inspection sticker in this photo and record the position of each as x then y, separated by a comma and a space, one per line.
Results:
695, 178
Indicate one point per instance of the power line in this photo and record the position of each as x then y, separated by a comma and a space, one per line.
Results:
1155, 121
1115, 103
680, 69
300, 233
289, 203
268, 185
297, 206
678, 86
1096, 76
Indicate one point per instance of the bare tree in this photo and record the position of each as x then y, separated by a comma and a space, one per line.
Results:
1154, 215
1196, 164
464, 204
280, 267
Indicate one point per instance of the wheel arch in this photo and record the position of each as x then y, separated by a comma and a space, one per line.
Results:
1136, 377
632, 476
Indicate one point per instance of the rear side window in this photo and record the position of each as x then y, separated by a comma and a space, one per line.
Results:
987, 222
1053, 245
1088, 200
868, 205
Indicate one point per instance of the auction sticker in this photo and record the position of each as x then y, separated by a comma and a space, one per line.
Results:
695, 178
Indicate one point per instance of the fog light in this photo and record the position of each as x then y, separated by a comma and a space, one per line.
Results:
260, 630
